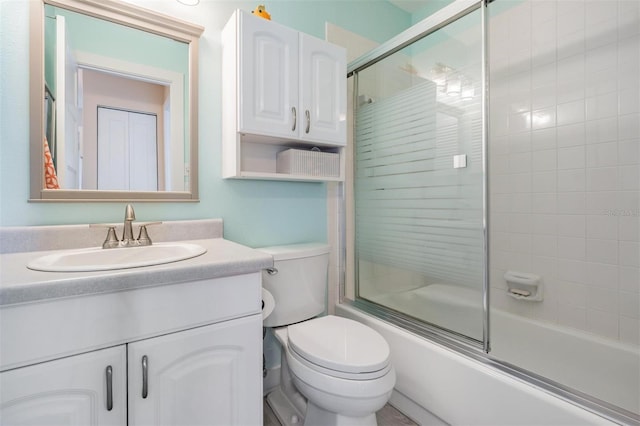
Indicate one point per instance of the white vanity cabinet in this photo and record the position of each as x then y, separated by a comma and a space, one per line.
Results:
201, 342
198, 376
281, 89
87, 389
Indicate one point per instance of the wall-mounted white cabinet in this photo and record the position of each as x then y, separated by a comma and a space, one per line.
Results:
281, 89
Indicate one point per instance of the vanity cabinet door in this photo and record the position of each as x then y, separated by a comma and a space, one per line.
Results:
210, 375
323, 88
268, 78
67, 391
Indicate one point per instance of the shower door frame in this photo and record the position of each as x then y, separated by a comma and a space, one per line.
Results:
429, 25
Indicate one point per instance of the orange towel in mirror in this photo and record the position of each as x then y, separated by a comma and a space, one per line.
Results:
50, 177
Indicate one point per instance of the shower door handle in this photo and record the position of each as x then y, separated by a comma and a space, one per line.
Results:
308, 117
295, 118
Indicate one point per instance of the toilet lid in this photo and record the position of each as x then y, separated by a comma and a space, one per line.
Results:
339, 344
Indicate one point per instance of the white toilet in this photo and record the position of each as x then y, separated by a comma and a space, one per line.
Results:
334, 371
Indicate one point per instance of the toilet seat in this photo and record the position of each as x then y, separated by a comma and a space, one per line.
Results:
340, 347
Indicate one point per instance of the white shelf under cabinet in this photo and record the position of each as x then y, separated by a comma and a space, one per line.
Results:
257, 160
286, 176
259, 122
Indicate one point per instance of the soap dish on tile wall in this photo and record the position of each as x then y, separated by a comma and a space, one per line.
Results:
524, 286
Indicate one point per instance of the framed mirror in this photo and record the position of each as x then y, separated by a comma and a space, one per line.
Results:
113, 103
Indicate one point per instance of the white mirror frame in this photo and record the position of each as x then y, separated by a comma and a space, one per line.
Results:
134, 17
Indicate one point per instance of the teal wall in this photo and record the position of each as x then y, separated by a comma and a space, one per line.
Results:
50, 37
92, 35
255, 212
431, 7
88, 34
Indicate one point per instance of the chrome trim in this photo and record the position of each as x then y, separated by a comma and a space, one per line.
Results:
356, 267
342, 240
486, 286
429, 25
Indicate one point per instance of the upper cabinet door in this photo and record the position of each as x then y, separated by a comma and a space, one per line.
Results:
281, 89
268, 78
209, 375
323, 88
82, 390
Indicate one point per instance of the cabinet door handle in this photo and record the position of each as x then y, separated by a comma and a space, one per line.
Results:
308, 117
109, 374
295, 118
145, 378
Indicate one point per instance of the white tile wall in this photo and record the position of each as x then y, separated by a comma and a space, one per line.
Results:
564, 160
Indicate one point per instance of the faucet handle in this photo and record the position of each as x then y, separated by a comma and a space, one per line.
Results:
112, 239
143, 236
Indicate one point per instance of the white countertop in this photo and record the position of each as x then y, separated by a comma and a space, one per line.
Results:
18, 284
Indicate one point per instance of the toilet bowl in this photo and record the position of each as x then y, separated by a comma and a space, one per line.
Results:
334, 371
341, 366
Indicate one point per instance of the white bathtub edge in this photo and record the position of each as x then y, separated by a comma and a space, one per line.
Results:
459, 390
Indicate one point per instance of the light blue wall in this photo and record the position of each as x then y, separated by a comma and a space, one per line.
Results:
255, 212
50, 37
91, 35
431, 7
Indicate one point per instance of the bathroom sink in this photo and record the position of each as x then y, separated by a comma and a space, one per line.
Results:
99, 259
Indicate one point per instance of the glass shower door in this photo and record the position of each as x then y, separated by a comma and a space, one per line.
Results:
419, 180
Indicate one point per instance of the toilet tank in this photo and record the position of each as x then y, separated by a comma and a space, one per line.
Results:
299, 286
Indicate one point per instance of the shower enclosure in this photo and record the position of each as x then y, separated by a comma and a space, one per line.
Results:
495, 190
419, 184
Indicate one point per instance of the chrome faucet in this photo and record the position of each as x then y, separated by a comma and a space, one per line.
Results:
127, 234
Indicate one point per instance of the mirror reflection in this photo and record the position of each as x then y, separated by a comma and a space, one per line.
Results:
113, 103
116, 101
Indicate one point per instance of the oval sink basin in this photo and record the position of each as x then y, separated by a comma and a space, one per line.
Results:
99, 259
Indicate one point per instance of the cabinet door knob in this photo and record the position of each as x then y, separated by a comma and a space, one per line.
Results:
109, 374
295, 118
145, 378
308, 117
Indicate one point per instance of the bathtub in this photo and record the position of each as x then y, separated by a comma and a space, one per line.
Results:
435, 382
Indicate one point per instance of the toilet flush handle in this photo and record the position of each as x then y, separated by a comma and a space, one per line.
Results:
271, 271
